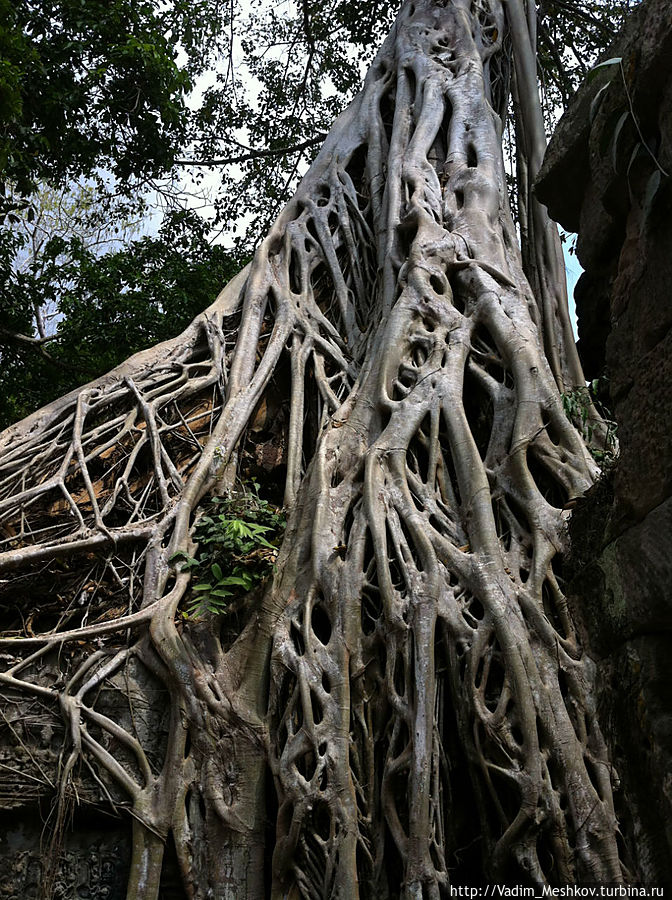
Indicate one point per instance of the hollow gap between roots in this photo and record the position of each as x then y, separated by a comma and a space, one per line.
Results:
371, 610
264, 451
495, 683
417, 456
356, 169
311, 417
412, 82
336, 476
371, 607
364, 870
473, 609
518, 513
296, 715
386, 109
393, 865
294, 272
349, 521
479, 410
170, 884
439, 151
284, 698
323, 195
395, 565
406, 234
463, 843
399, 787
550, 608
321, 820
438, 284
306, 764
316, 708
501, 525
452, 485
553, 492
506, 791
551, 430
399, 678
324, 295
297, 639
320, 623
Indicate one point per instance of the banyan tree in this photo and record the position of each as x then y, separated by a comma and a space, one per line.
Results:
401, 703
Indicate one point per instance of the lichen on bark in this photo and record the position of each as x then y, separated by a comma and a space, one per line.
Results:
414, 635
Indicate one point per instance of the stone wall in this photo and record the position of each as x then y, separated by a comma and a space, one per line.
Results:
606, 176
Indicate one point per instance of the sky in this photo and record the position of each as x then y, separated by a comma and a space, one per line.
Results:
573, 270
210, 182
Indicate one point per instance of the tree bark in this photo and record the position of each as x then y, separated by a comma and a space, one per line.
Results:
414, 634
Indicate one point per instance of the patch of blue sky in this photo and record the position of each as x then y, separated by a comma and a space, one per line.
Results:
573, 270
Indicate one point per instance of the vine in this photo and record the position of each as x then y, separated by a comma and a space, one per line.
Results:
580, 405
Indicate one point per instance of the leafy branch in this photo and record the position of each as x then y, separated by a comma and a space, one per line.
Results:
578, 405
238, 540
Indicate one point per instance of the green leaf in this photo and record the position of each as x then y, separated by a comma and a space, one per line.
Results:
614, 61
260, 529
235, 581
202, 587
617, 131
177, 555
650, 191
217, 571
596, 103
639, 149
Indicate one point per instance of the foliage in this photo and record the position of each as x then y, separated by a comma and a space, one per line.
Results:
623, 138
578, 405
238, 539
262, 122
93, 101
107, 306
100, 91
94, 85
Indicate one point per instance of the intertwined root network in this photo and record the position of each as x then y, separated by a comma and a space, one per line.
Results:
409, 685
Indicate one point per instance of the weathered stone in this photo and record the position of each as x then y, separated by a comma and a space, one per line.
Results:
621, 587
638, 558
643, 477
591, 297
93, 863
635, 712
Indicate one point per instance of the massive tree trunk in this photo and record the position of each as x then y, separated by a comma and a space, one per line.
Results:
403, 705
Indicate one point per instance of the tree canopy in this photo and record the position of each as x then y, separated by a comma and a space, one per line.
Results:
92, 87
97, 86
107, 305
113, 94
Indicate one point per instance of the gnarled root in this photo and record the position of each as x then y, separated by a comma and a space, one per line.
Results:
414, 638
